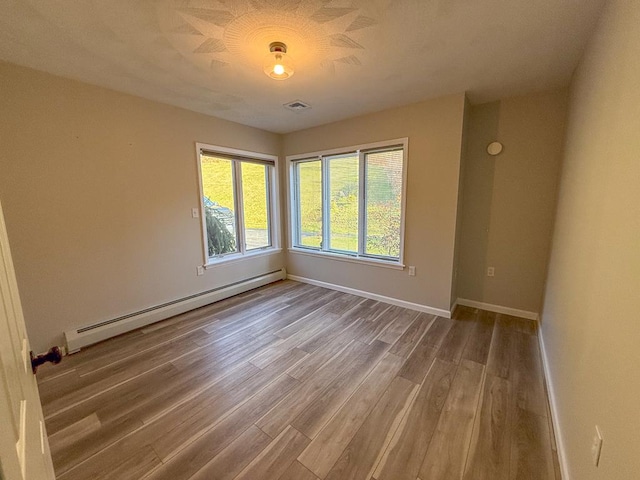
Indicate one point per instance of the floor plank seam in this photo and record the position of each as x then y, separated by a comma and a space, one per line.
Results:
362, 381
191, 396
385, 452
56, 377
476, 419
127, 380
394, 429
419, 341
138, 353
200, 433
108, 389
155, 367
223, 417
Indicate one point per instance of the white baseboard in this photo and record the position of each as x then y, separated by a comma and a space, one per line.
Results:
562, 459
90, 334
498, 309
374, 296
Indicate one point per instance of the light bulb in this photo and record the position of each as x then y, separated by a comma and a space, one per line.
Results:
278, 64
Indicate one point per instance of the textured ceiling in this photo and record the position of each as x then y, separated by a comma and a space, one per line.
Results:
351, 56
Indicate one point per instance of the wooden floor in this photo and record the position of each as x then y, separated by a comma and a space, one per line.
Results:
296, 382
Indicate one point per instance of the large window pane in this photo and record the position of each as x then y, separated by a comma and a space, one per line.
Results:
343, 208
219, 205
383, 202
351, 203
255, 204
309, 184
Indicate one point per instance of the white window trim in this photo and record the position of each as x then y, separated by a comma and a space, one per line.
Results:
274, 206
239, 257
346, 257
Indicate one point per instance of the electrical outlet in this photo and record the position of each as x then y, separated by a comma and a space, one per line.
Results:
491, 272
195, 213
199, 271
412, 271
596, 447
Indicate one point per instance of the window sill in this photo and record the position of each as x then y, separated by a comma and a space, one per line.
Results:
350, 259
238, 257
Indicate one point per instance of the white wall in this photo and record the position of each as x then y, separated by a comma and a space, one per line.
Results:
509, 200
591, 315
464, 140
97, 189
434, 129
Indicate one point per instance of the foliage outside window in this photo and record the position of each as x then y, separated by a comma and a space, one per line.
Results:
237, 202
350, 203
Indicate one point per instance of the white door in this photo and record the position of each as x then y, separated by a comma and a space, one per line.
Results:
24, 449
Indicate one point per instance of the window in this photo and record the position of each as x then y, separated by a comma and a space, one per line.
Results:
350, 202
238, 209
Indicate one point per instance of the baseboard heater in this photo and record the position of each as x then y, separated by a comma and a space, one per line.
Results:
90, 334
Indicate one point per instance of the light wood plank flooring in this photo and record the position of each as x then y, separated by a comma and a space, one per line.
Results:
297, 382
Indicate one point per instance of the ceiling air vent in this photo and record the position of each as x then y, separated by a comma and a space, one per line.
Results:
297, 106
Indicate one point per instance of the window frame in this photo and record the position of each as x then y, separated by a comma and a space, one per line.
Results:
237, 157
293, 219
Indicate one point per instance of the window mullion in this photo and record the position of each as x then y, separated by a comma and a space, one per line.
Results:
326, 205
297, 226
362, 219
237, 172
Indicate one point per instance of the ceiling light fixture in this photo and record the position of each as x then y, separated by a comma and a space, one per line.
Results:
278, 64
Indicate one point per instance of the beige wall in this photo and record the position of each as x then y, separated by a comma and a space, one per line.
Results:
461, 178
591, 319
509, 200
434, 129
97, 189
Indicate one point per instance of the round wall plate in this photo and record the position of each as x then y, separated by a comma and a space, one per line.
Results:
494, 148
